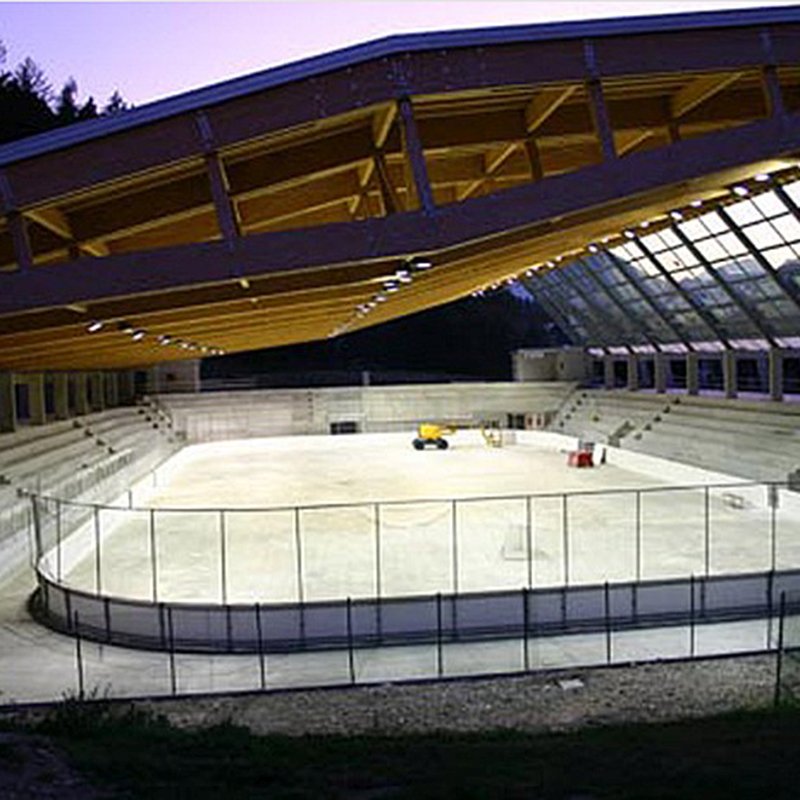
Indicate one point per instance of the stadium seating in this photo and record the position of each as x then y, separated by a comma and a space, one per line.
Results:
758, 440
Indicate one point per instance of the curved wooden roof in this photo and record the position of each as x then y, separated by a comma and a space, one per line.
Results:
305, 201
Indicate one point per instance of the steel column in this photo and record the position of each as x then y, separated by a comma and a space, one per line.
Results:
412, 145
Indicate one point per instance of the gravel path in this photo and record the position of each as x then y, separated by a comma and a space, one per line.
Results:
32, 768
533, 703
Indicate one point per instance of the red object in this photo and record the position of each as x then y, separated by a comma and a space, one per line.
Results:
580, 458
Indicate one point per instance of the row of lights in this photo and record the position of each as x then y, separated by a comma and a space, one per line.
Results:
403, 276
740, 190
164, 339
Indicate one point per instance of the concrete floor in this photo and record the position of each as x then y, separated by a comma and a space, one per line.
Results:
379, 540
416, 555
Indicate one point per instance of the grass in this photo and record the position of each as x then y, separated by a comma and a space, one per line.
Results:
744, 755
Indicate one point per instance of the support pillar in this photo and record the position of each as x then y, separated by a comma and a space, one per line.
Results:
608, 372
61, 395
126, 385
633, 372
111, 394
81, 393
97, 399
776, 374
412, 147
692, 373
36, 406
8, 403
660, 372
729, 373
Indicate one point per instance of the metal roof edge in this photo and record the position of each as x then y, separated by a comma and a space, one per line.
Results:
197, 99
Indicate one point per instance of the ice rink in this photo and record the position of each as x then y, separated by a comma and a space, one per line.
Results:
319, 518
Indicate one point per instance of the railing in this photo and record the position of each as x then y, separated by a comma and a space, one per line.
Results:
124, 567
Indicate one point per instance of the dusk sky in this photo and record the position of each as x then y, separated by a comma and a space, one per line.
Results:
153, 50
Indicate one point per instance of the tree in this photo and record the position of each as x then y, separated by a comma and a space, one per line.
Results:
115, 105
30, 78
24, 108
67, 108
29, 106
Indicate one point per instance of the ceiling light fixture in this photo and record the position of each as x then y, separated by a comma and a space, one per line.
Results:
740, 191
94, 326
138, 335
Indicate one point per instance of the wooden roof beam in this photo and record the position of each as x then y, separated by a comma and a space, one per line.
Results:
699, 90
56, 222
545, 104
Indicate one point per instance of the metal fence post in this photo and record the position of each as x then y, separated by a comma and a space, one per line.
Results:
779, 662
707, 532
439, 645
262, 667
526, 621
58, 542
378, 573
607, 615
298, 547
173, 678
36, 514
153, 554
638, 541
223, 559
529, 538
350, 654
98, 559
79, 656
454, 545
691, 617
565, 535
773, 493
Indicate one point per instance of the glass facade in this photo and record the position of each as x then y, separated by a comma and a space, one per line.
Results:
710, 278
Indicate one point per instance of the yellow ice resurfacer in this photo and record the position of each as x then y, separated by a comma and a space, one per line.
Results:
432, 434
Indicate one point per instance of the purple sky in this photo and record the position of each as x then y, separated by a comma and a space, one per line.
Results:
153, 50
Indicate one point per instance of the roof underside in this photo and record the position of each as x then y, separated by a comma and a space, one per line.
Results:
273, 211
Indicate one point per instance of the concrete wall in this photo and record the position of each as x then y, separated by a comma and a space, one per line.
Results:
564, 364
234, 415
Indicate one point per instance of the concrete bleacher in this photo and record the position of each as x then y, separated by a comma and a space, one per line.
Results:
759, 440
91, 457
